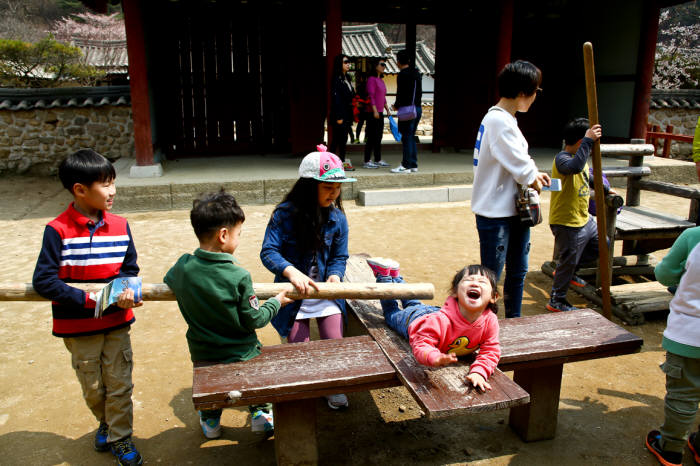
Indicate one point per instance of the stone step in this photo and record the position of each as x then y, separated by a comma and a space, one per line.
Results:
374, 197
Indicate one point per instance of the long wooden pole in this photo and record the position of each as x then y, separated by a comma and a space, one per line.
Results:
592, 98
161, 291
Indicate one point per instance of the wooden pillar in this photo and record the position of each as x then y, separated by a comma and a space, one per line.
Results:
334, 46
295, 432
138, 80
505, 34
645, 68
306, 90
411, 39
537, 420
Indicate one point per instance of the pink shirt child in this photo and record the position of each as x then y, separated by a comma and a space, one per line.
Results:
376, 89
447, 331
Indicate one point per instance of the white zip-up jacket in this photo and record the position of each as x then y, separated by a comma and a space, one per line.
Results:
501, 161
682, 334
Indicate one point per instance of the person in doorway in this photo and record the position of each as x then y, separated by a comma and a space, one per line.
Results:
376, 90
409, 92
341, 117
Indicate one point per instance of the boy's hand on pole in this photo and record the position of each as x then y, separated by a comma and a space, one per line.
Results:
283, 299
594, 132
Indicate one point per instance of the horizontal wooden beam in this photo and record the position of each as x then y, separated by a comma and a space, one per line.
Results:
161, 291
626, 150
669, 188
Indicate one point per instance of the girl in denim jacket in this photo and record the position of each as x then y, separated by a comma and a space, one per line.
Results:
306, 240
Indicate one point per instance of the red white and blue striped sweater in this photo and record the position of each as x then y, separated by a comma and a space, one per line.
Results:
76, 250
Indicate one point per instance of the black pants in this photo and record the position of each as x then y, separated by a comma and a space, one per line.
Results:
374, 131
361, 118
340, 137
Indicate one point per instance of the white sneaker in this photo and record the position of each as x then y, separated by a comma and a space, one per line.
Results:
400, 169
413, 170
370, 164
381, 163
262, 422
211, 428
338, 401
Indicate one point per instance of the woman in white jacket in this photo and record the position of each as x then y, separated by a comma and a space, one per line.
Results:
501, 162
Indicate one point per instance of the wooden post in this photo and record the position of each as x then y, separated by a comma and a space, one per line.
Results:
592, 99
666, 152
411, 37
334, 46
645, 67
295, 432
138, 80
538, 419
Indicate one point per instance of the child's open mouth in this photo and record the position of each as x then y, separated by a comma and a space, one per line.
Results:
474, 294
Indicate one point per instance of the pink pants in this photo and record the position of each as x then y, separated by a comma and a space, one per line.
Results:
329, 327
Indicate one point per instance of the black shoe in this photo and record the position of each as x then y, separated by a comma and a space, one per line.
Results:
101, 437
560, 305
665, 457
126, 453
694, 447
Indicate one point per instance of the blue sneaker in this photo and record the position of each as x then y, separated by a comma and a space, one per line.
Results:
101, 437
211, 427
126, 453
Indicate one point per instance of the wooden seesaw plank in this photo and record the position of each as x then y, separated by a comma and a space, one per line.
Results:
161, 291
442, 391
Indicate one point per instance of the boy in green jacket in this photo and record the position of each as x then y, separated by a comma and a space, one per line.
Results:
216, 297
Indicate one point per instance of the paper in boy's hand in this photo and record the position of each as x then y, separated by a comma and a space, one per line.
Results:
110, 293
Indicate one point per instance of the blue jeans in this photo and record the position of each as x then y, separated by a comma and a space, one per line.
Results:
408, 140
400, 319
504, 241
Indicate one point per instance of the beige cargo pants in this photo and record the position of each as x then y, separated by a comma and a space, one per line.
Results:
103, 364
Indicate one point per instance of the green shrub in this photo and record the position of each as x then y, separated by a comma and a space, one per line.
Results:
46, 63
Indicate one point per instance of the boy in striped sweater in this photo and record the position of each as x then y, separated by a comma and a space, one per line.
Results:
88, 244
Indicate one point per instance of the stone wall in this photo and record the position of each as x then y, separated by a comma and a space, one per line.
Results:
37, 140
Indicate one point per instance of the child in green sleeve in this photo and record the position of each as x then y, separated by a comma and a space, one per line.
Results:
216, 297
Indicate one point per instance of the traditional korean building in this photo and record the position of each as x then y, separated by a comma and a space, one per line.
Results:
250, 76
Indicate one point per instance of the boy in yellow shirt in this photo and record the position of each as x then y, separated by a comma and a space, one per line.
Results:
575, 232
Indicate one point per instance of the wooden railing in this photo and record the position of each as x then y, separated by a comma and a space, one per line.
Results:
654, 134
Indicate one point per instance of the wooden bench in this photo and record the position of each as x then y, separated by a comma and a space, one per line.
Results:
292, 376
535, 348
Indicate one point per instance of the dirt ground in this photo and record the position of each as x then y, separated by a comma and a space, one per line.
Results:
606, 408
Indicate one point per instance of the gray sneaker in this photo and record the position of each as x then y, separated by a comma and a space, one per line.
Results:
370, 164
414, 169
382, 164
338, 401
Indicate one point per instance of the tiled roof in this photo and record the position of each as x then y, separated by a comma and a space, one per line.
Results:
107, 55
28, 99
675, 98
425, 57
368, 41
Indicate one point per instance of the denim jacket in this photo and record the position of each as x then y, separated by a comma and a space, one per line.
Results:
280, 250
